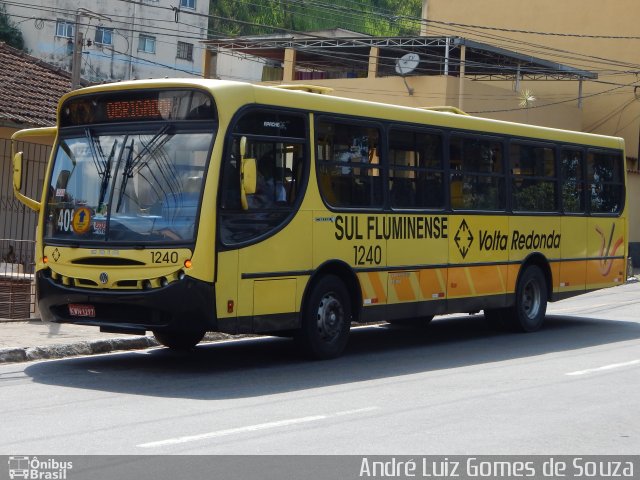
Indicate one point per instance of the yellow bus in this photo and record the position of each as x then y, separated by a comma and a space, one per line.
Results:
185, 206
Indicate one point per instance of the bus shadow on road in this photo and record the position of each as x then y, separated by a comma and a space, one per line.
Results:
262, 366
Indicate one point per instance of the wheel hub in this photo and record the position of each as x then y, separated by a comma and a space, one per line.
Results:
330, 317
531, 299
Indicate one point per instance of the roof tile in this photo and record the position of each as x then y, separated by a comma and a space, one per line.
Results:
29, 88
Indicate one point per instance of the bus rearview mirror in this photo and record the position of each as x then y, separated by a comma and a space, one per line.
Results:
17, 184
248, 180
17, 171
248, 174
243, 147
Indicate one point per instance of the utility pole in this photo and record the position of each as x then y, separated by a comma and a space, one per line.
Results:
76, 64
78, 43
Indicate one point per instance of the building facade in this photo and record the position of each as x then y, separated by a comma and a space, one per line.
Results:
592, 34
122, 40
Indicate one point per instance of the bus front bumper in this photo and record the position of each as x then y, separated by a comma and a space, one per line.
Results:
183, 305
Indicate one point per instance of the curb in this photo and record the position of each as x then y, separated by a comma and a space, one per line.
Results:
28, 354
93, 347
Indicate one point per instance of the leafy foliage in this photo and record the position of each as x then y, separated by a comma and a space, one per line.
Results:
263, 17
9, 33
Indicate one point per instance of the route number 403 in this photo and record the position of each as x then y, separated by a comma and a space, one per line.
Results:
64, 219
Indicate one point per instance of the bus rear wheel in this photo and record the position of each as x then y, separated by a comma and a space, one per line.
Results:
326, 319
531, 300
527, 313
178, 340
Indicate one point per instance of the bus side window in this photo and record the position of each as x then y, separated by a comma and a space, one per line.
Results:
348, 164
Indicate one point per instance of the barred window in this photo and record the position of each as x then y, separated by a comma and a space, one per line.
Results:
185, 51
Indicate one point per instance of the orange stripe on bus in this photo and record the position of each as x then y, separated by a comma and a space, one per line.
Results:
488, 280
572, 274
401, 282
433, 283
378, 287
458, 283
612, 272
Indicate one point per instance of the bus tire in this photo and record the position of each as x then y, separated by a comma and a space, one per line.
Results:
178, 340
326, 319
531, 300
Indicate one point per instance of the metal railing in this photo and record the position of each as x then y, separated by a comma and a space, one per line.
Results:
18, 230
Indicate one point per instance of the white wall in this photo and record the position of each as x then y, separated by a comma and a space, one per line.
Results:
122, 60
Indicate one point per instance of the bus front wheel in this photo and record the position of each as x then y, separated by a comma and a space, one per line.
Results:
326, 319
178, 340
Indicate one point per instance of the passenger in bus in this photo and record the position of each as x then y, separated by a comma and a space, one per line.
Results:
268, 189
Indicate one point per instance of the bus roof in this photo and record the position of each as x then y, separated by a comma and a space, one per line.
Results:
318, 100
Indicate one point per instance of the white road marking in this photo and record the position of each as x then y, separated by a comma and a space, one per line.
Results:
604, 368
251, 428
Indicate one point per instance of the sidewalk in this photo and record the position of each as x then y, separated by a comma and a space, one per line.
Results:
35, 340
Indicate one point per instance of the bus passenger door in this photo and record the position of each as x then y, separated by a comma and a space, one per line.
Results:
264, 255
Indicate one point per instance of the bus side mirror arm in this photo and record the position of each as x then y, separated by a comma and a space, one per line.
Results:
248, 175
17, 184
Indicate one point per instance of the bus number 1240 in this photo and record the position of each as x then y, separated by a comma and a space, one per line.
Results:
164, 257
371, 255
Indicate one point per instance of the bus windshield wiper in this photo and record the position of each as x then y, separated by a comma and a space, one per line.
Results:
156, 142
127, 172
103, 166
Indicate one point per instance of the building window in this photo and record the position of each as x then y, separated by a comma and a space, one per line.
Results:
64, 29
104, 36
147, 44
185, 51
188, 3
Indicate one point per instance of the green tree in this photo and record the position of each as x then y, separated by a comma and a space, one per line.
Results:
263, 17
9, 33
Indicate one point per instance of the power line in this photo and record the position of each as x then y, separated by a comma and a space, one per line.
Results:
530, 32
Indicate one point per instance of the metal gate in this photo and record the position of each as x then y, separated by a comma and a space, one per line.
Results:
18, 230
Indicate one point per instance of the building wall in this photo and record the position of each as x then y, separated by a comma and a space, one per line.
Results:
611, 104
246, 68
123, 59
439, 91
588, 17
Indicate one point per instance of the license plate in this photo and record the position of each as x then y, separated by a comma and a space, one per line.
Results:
78, 310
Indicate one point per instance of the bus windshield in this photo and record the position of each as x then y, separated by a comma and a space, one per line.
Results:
127, 187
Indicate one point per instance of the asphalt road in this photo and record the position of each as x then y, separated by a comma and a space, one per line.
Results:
455, 387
